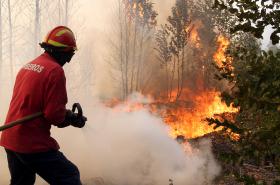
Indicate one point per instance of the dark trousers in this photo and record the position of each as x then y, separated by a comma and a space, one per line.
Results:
52, 166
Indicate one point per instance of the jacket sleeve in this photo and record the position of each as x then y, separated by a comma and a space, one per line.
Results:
55, 97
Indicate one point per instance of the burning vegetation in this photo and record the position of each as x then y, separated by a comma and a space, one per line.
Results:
183, 90
188, 119
220, 56
186, 116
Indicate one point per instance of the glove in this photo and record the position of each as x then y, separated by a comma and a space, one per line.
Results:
74, 119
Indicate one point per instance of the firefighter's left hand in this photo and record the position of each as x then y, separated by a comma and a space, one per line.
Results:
79, 121
75, 120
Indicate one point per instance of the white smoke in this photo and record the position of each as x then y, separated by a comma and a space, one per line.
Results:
130, 148
134, 148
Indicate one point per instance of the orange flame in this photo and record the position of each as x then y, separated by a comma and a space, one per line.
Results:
192, 31
134, 9
220, 56
189, 120
185, 118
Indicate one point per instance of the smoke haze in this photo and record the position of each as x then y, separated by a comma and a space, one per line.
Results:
134, 148
121, 147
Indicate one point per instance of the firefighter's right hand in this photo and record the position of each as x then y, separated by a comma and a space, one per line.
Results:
74, 119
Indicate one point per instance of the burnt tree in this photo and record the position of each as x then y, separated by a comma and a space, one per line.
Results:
172, 40
135, 28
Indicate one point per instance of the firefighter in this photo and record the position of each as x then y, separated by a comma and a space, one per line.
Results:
40, 86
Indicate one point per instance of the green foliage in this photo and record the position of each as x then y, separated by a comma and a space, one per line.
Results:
177, 26
172, 39
247, 180
163, 48
220, 21
256, 76
254, 16
253, 78
255, 82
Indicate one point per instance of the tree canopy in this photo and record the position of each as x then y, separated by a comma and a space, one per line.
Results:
254, 81
254, 16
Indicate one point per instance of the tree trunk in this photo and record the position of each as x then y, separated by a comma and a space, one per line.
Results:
178, 77
36, 27
1, 52
172, 79
10, 40
167, 80
126, 56
139, 66
59, 12
182, 73
66, 12
133, 58
121, 51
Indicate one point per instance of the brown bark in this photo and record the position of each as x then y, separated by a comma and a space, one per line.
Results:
133, 58
121, 51
1, 52
172, 78
66, 11
36, 26
178, 77
139, 66
182, 73
10, 40
127, 53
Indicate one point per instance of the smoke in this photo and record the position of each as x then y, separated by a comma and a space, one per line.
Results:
130, 148
134, 148
120, 147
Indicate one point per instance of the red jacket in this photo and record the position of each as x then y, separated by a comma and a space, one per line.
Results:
40, 87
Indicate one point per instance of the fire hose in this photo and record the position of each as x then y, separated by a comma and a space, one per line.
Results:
37, 115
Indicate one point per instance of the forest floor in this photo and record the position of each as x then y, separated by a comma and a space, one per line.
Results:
234, 174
